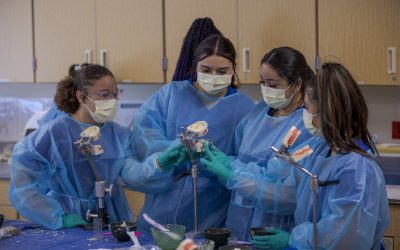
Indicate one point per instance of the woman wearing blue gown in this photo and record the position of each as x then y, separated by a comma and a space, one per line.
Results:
353, 211
213, 98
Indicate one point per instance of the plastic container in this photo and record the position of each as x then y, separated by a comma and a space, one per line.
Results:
118, 230
165, 241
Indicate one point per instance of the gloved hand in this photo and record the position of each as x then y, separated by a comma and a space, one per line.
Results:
217, 163
221, 156
279, 240
174, 156
72, 220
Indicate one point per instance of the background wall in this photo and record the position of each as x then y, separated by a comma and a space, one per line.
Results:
383, 102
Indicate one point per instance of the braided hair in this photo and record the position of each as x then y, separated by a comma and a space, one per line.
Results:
200, 29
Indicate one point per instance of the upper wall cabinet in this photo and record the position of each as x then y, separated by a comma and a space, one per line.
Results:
179, 15
16, 48
129, 39
124, 35
266, 24
364, 35
64, 34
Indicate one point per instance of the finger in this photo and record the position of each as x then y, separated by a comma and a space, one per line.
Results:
261, 238
273, 230
205, 163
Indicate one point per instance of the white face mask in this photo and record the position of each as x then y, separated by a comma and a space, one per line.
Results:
105, 110
307, 119
275, 98
213, 84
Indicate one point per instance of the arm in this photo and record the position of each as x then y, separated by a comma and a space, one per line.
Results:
150, 126
272, 189
28, 186
354, 212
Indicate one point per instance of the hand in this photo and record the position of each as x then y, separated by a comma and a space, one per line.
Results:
221, 156
217, 163
174, 156
72, 220
279, 240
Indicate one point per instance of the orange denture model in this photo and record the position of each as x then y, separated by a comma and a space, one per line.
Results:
291, 137
301, 153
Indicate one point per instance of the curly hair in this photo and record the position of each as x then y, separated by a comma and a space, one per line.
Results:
79, 79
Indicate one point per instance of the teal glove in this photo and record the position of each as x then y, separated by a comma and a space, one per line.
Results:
72, 220
221, 156
279, 240
217, 163
174, 156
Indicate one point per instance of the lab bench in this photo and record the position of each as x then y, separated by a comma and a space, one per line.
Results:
39, 238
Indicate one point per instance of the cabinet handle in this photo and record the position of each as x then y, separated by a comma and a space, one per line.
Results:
391, 55
88, 55
103, 57
246, 60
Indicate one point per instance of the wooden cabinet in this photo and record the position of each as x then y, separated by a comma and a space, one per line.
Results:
266, 24
124, 35
358, 34
179, 15
16, 47
63, 31
5, 207
392, 234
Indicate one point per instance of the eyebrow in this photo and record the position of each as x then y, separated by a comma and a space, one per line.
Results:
204, 66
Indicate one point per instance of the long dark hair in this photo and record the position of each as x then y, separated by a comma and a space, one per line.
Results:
220, 46
79, 78
290, 64
343, 110
200, 29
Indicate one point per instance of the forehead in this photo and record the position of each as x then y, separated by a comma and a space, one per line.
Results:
215, 61
268, 72
104, 83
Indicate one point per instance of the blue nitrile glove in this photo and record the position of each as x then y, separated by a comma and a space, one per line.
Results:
279, 239
174, 156
217, 163
72, 220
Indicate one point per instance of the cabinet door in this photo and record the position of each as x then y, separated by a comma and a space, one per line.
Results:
179, 15
358, 33
130, 31
63, 31
267, 24
16, 41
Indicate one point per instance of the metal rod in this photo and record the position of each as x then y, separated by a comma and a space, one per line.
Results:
314, 187
195, 175
282, 153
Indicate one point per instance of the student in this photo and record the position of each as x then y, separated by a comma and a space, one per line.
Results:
52, 183
283, 73
353, 213
211, 98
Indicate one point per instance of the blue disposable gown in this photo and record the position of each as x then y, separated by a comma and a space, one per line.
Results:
52, 114
157, 125
50, 177
353, 214
253, 183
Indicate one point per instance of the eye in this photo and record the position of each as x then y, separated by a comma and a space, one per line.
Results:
222, 72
